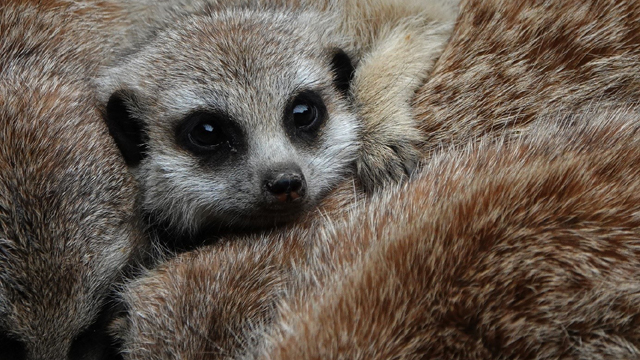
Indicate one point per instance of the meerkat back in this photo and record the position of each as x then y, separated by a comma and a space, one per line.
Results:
518, 250
67, 223
508, 63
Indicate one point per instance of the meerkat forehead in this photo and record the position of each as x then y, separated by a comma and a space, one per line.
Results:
232, 60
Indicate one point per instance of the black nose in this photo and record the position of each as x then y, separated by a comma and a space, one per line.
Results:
285, 184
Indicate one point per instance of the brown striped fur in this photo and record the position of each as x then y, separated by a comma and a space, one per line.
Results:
523, 250
506, 64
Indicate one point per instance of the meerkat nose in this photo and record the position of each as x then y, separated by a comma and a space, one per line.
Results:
285, 184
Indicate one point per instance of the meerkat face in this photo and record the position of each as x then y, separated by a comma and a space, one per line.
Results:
235, 118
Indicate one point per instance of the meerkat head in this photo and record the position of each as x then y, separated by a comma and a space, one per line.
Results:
237, 118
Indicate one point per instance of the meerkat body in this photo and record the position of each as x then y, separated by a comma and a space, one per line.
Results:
507, 64
68, 227
270, 84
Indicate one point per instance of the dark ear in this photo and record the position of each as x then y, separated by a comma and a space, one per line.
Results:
343, 70
128, 131
11, 348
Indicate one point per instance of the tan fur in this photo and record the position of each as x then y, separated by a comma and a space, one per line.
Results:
204, 304
67, 223
508, 63
515, 249
398, 43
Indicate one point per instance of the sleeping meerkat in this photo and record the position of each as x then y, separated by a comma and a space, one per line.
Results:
243, 116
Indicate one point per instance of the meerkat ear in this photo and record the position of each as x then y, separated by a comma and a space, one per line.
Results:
128, 131
343, 70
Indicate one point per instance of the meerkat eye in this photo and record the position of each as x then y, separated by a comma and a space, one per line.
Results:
307, 112
206, 135
304, 114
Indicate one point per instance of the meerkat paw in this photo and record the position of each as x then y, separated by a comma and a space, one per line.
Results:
388, 157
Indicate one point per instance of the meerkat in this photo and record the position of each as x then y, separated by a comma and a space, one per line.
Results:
513, 249
68, 225
243, 116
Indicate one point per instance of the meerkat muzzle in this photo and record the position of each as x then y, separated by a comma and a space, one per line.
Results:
286, 185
